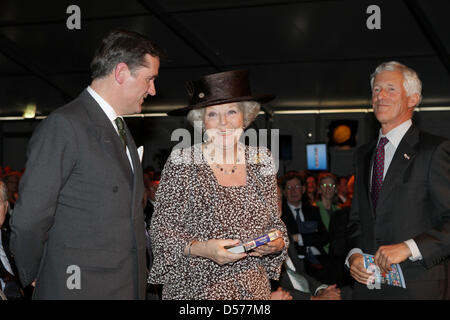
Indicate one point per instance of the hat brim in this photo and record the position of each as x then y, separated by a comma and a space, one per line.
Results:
185, 110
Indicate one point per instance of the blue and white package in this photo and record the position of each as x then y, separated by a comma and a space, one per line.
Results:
252, 244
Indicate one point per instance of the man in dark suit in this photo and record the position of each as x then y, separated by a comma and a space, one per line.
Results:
78, 228
401, 206
300, 285
303, 223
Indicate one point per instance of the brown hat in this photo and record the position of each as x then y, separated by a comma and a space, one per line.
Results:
219, 88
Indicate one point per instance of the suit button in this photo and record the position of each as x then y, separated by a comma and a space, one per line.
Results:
115, 189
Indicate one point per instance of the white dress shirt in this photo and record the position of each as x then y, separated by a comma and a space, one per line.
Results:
110, 113
394, 136
314, 250
298, 281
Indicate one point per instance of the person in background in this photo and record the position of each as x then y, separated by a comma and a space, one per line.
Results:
311, 188
294, 282
9, 283
350, 191
303, 223
335, 221
12, 180
154, 291
151, 186
342, 190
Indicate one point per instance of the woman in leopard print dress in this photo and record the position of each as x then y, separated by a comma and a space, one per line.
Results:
206, 203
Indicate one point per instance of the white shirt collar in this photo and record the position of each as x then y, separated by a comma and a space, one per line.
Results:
396, 135
106, 107
294, 207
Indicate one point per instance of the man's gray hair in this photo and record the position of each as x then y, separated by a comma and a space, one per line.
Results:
3, 190
250, 109
411, 81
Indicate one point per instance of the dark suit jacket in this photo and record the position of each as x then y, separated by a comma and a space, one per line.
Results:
5, 243
299, 265
310, 213
334, 271
414, 203
12, 289
80, 204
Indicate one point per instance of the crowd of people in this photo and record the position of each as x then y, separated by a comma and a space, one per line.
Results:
315, 208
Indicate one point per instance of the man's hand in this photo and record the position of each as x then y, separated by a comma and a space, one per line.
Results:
357, 269
387, 255
330, 293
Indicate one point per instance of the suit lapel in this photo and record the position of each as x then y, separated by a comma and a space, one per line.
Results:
136, 166
107, 135
403, 158
368, 154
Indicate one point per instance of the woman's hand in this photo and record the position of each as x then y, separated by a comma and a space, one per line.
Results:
269, 248
214, 250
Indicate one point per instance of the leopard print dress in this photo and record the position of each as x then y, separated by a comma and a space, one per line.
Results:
191, 204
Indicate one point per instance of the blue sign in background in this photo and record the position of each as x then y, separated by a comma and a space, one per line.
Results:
316, 156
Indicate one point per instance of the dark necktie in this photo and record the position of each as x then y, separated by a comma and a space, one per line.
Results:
121, 129
297, 218
378, 169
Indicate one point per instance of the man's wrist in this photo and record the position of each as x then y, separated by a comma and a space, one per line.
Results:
414, 249
320, 289
351, 253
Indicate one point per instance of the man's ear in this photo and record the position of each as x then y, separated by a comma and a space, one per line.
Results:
121, 72
413, 100
303, 189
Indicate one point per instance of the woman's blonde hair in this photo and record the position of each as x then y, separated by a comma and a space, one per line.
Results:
250, 109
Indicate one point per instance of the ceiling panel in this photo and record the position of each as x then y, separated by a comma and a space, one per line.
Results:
58, 49
307, 53
437, 13
19, 12
8, 68
306, 32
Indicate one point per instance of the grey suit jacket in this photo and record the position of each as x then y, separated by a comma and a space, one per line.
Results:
80, 205
414, 203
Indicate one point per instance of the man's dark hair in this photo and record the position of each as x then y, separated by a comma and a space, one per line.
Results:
122, 46
289, 176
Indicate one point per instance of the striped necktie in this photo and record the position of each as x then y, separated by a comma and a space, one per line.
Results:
121, 129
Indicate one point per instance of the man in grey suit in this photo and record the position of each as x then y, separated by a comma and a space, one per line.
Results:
78, 228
